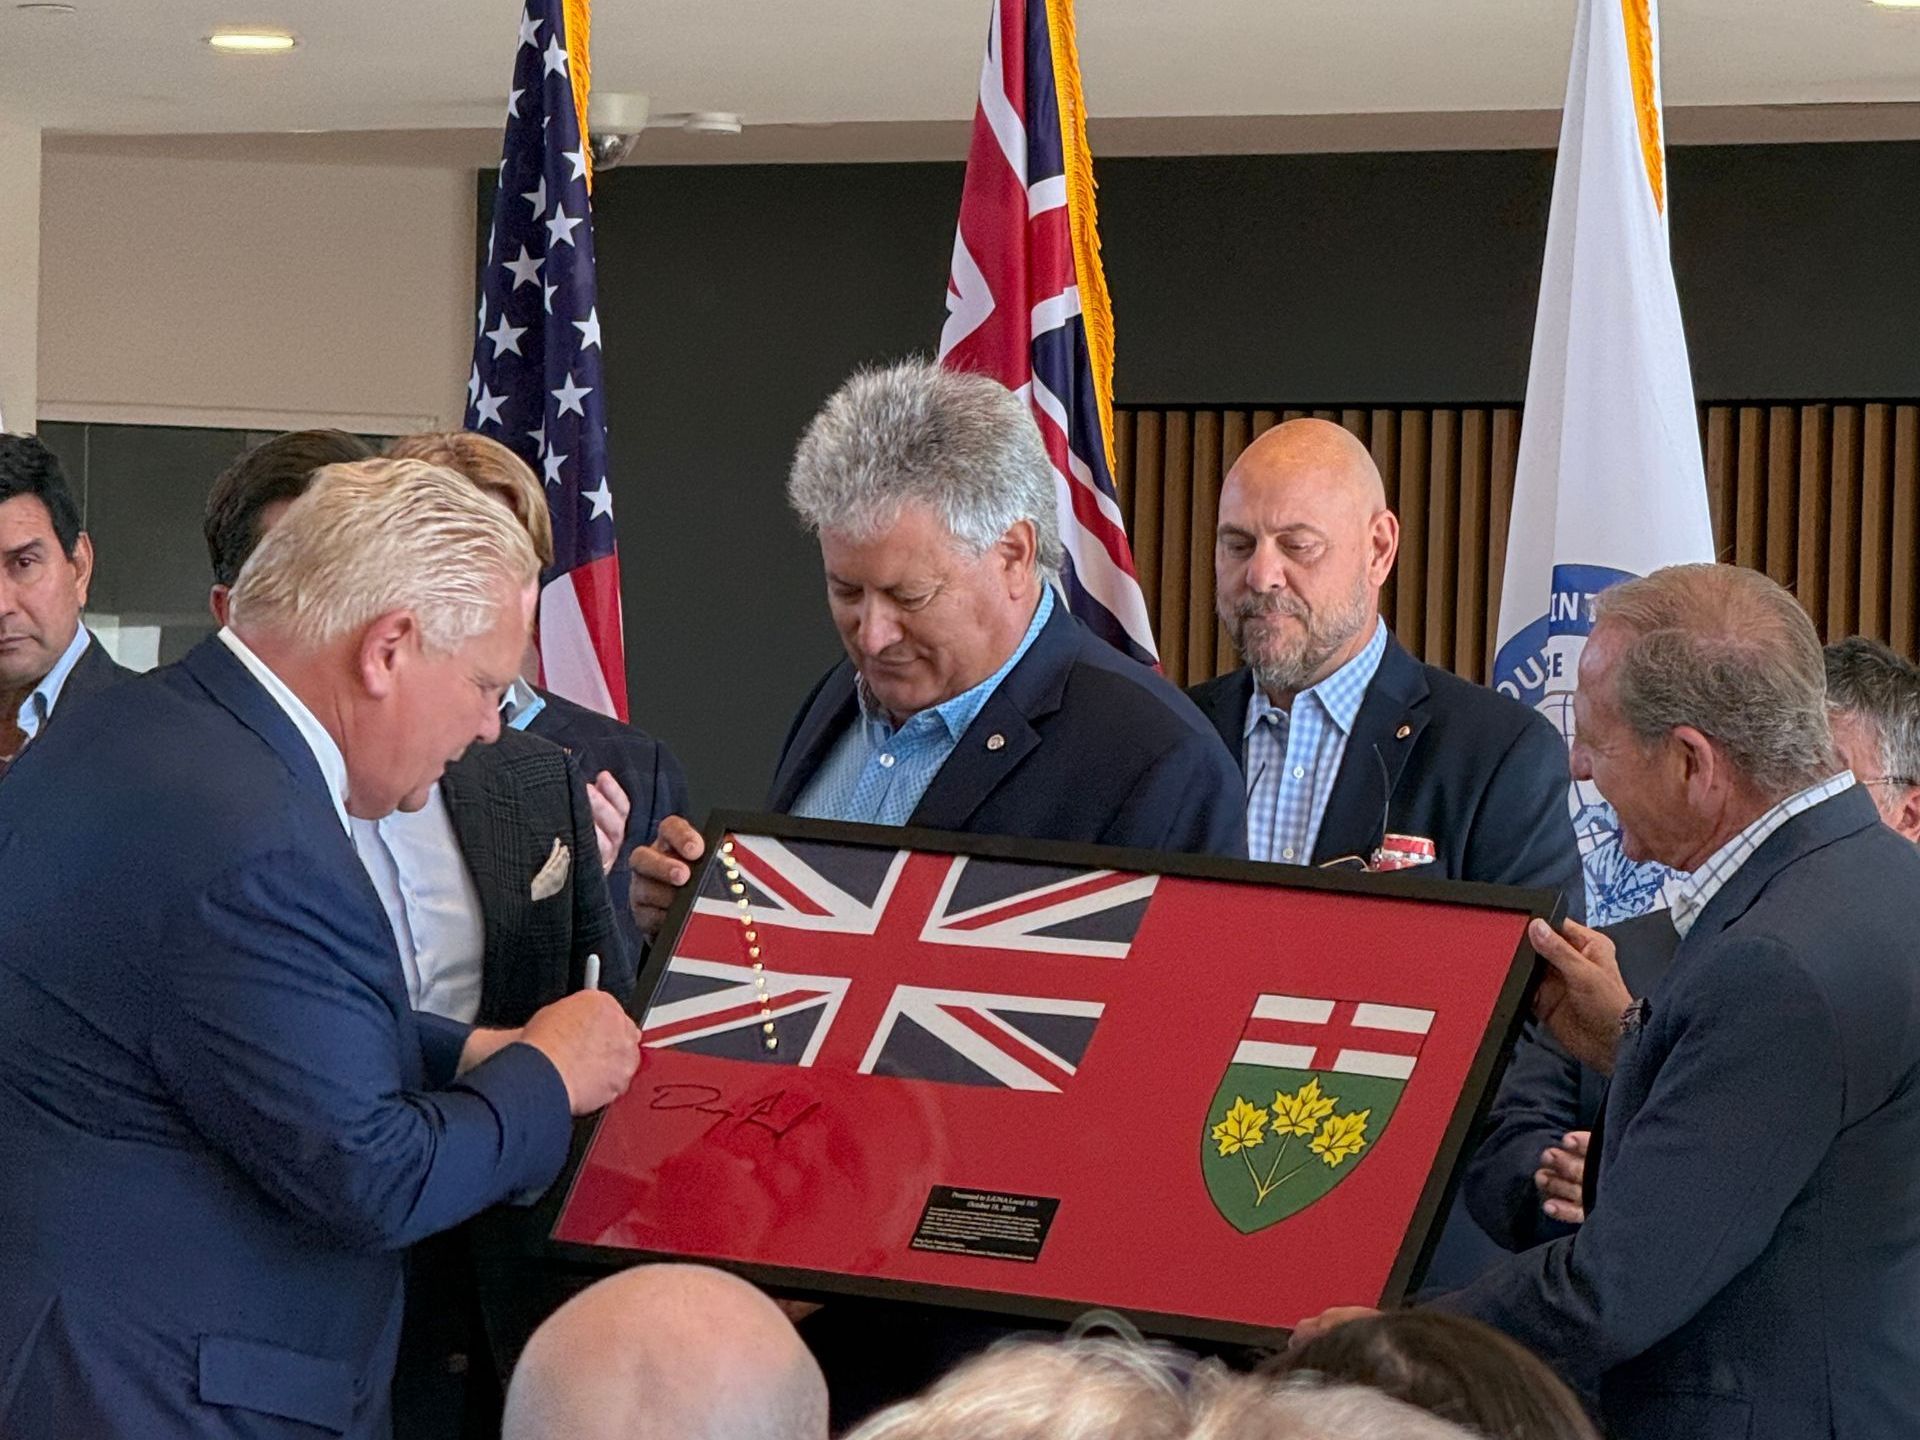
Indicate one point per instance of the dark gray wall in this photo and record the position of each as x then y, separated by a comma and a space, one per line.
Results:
735, 298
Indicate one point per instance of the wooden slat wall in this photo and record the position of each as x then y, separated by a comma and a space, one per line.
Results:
1825, 498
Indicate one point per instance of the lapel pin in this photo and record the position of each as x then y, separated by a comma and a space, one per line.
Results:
996, 741
1403, 732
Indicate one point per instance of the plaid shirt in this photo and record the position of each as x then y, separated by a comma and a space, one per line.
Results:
1292, 758
1697, 889
877, 774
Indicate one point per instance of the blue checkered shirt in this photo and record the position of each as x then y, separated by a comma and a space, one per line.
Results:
1292, 758
1694, 892
877, 774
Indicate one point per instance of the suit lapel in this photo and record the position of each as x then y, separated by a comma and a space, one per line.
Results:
1385, 731
979, 764
1224, 703
830, 713
464, 786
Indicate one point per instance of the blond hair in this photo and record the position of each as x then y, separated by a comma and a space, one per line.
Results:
377, 536
495, 469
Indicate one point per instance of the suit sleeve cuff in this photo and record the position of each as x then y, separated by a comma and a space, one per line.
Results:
536, 1123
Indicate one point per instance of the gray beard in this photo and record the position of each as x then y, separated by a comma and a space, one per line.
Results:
1290, 673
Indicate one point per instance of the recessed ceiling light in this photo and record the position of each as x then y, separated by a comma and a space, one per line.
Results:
252, 42
39, 7
1898, 4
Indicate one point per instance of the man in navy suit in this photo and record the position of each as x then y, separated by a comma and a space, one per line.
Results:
1749, 1265
1527, 1180
224, 1121
969, 700
46, 565
1348, 742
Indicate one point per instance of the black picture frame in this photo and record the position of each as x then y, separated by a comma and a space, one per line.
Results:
1423, 1234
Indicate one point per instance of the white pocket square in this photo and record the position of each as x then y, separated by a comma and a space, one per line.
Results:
553, 875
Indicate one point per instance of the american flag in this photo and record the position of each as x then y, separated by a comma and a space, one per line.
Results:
536, 381
1012, 962
1027, 302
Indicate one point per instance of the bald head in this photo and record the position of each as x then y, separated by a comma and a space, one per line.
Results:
1305, 543
667, 1352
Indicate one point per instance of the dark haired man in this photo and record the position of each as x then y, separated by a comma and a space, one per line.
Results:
46, 565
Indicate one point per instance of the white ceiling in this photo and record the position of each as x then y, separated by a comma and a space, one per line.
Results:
140, 66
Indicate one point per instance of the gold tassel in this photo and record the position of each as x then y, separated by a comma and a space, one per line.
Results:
1096, 308
579, 19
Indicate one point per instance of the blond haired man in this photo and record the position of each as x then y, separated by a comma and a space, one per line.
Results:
225, 1122
635, 780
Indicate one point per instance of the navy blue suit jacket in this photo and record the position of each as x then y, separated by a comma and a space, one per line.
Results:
1483, 777
222, 1122
1544, 1094
1750, 1266
647, 770
1094, 747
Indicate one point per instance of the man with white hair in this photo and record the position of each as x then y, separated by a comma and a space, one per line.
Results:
224, 1121
1749, 1265
667, 1352
1873, 704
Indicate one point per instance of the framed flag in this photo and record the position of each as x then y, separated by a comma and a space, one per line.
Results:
1037, 1079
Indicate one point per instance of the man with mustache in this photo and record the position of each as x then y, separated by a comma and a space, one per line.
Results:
1352, 748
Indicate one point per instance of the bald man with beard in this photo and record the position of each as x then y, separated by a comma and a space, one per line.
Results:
1349, 744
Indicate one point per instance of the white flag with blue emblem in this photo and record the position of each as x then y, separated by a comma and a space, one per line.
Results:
1610, 483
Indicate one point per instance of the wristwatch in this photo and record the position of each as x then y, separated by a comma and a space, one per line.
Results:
1634, 1018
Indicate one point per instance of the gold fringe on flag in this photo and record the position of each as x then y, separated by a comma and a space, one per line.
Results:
579, 18
1646, 105
1096, 308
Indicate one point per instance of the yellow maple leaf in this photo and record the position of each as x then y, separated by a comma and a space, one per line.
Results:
1243, 1128
1342, 1136
1300, 1112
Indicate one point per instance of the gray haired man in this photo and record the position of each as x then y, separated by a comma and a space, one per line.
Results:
1750, 1261
968, 700
1873, 704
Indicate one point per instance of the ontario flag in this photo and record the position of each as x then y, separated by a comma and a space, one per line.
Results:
536, 381
841, 920
1027, 300
1312, 1084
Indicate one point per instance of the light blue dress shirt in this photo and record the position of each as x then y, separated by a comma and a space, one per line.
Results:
417, 869
40, 701
877, 774
1294, 757
520, 704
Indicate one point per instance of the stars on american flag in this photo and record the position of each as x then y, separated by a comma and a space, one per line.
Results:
536, 381
541, 226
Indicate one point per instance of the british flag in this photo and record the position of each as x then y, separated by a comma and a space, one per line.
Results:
1010, 963
1027, 303
536, 384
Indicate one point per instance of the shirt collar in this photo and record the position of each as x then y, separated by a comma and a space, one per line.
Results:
1696, 890
326, 753
960, 712
520, 704
40, 701
1340, 695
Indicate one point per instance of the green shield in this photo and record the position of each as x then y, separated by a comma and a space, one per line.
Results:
1276, 1140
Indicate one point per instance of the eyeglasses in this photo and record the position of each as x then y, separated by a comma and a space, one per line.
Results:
1905, 782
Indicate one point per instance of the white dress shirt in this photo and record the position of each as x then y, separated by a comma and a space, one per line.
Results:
422, 879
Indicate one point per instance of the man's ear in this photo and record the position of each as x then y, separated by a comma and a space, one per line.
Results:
1019, 551
1701, 769
217, 600
1906, 813
386, 645
82, 560
1383, 544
